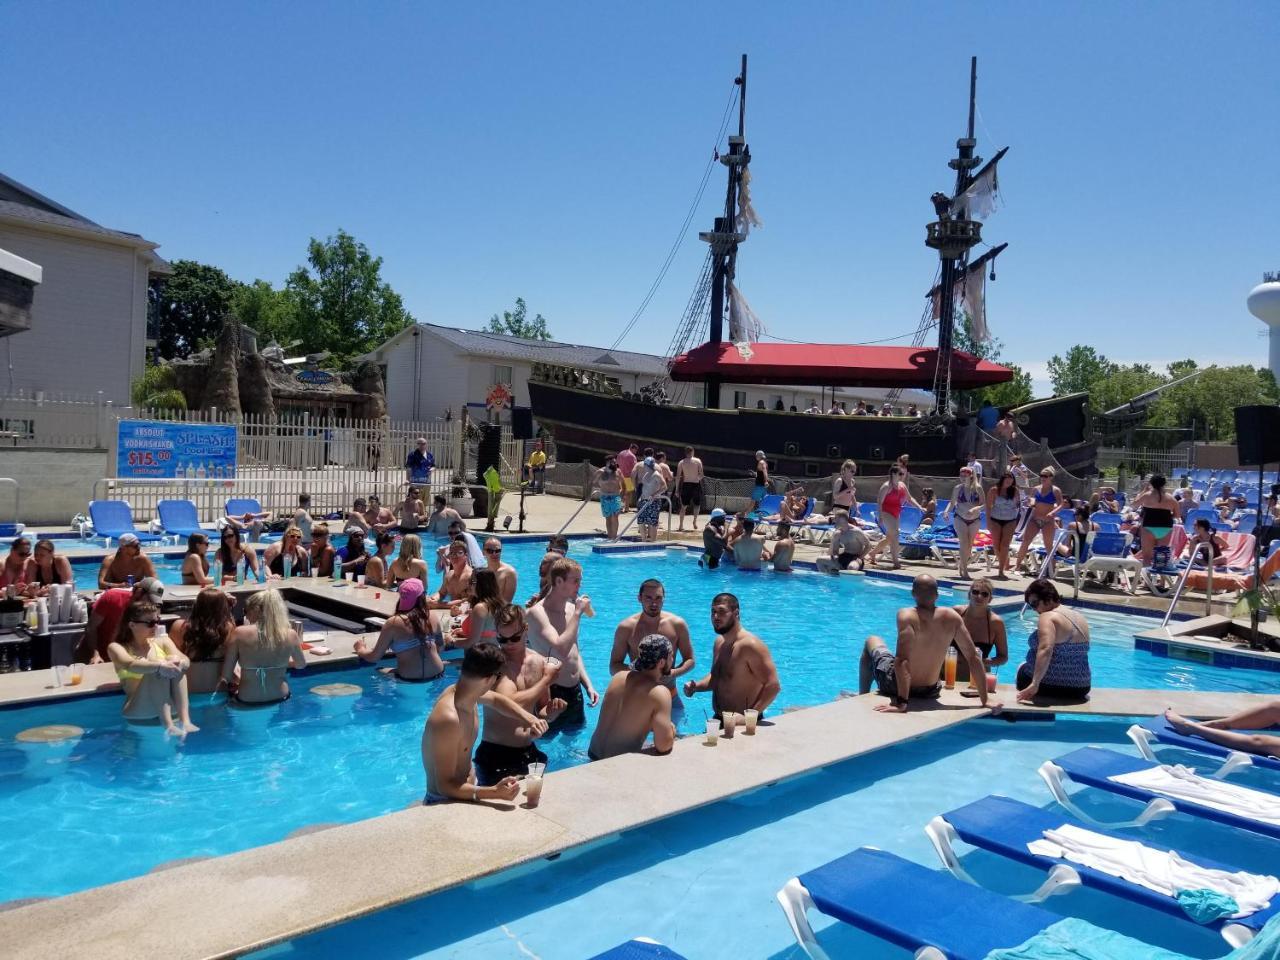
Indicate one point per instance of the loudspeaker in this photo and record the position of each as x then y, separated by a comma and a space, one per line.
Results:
522, 423
790, 448
1258, 435
833, 451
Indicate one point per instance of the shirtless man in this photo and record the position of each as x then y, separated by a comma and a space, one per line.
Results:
742, 675
553, 632
508, 746
848, 546
784, 549
652, 619
505, 573
609, 481
128, 561
689, 485
748, 549
356, 515
457, 573
378, 517
925, 633
452, 726
412, 511
636, 703
441, 516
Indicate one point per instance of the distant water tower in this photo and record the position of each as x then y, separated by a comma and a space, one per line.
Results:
1264, 303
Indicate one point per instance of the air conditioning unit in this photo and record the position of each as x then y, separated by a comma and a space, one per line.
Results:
790, 448
833, 451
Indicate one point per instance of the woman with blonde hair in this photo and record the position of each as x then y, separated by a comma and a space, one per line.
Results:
965, 509
289, 548
409, 565
263, 649
844, 490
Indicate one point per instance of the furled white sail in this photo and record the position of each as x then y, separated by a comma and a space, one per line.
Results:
979, 201
745, 328
747, 216
972, 295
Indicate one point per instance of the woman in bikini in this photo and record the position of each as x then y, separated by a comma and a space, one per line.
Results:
290, 545
47, 567
195, 562
152, 671
203, 638
409, 565
1205, 535
485, 598
1076, 543
263, 649
965, 510
412, 634
378, 571
844, 490
231, 553
986, 629
1157, 510
1004, 506
1046, 501
893, 495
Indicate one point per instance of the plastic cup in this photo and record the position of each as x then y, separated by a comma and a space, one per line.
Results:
713, 732
992, 682
360, 582
533, 790
76, 674
730, 723
752, 718
296, 626
950, 668
59, 676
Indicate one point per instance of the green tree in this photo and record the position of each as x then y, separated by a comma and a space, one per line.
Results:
516, 323
1121, 384
1078, 371
1012, 393
272, 313
187, 307
157, 389
1209, 401
342, 303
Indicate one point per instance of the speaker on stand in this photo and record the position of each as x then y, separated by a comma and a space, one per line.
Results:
1257, 444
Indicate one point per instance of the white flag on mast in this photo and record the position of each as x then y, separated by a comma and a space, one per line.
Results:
745, 328
972, 295
747, 216
979, 201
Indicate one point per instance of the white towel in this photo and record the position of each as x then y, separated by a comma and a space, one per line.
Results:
1165, 872
1182, 783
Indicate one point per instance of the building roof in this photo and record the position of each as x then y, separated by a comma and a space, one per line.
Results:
501, 346
834, 364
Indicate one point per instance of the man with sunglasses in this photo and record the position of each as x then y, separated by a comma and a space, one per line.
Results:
126, 566
925, 633
505, 573
508, 746
652, 619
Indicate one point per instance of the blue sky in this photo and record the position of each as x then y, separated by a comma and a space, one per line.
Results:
551, 151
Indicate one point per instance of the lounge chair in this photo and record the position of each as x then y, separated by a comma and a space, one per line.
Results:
641, 948
112, 518
910, 906
1094, 767
1109, 553
1157, 730
179, 518
239, 506
1005, 827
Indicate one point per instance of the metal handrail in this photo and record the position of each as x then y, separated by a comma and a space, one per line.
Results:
575, 516
634, 517
1048, 561
17, 497
1182, 582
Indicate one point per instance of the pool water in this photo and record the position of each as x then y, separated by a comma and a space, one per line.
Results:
294, 768
704, 882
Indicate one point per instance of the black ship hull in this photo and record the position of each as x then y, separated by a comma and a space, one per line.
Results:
589, 425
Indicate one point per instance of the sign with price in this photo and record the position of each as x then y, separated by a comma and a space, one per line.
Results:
155, 449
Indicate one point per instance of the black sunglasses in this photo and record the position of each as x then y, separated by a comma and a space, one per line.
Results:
979, 593
149, 623
493, 551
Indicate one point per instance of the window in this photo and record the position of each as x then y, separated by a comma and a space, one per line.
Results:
739, 399
501, 375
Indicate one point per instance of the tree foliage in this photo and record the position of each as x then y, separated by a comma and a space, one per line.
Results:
1078, 371
341, 303
516, 323
157, 388
271, 312
187, 307
1012, 393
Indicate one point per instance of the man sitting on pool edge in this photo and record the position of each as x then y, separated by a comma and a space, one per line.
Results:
925, 633
636, 703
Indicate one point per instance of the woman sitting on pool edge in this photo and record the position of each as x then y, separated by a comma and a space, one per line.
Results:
203, 637
151, 669
985, 627
264, 649
1057, 663
412, 633
195, 563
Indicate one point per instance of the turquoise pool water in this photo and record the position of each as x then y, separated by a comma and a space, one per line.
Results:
704, 882
294, 768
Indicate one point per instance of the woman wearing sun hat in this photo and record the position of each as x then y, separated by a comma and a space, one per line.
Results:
412, 633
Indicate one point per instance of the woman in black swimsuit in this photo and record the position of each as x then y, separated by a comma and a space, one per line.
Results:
1004, 506
986, 629
47, 567
290, 545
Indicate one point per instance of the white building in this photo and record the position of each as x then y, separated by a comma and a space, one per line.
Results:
89, 315
430, 369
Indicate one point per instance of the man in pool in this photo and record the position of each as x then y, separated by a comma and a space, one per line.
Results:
127, 563
553, 632
636, 703
748, 549
743, 675
442, 515
505, 572
925, 633
104, 618
848, 545
450, 732
509, 746
652, 619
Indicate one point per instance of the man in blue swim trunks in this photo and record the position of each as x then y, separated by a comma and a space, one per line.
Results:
609, 481
454, 723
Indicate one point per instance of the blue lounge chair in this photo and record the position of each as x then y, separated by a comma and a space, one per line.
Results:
1157, 729
178, 518
1006, 826
641, 948
111, 518
1093, 766
886, 896
867, 511
239, 506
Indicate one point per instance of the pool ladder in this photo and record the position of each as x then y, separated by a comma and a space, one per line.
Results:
1182, 582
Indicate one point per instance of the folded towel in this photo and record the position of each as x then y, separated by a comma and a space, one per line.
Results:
1206, 906
1182, 783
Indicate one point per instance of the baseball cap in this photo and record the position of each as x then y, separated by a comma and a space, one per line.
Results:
717, 513
152, 587
648, 461
128, 538
653, 648
410, 591
759, 454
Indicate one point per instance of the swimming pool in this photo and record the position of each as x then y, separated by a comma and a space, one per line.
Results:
703, 882
295, 768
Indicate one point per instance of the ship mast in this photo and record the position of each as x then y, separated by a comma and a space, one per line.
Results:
953, 238
725, 237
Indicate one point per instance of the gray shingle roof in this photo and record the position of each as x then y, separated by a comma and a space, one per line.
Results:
503, 347
21, 211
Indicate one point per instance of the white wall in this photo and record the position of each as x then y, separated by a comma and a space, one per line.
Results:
89, 318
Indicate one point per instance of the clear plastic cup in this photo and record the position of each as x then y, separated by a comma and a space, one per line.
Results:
730, 724
713, 732
76, 674
533, 790
752, 718
59, 676
360, 582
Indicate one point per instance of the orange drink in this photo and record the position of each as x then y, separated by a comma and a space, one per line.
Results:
950, 668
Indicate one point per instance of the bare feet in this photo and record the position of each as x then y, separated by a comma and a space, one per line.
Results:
190, 727
1178, 722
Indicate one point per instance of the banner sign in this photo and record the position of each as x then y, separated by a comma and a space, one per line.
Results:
152, 448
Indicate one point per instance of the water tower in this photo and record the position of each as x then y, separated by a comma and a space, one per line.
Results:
1264, 303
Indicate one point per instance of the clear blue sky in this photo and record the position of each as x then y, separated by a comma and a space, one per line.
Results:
550, 151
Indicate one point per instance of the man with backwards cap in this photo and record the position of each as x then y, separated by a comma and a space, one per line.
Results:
104, 618
713, 540
636, 703
126, 566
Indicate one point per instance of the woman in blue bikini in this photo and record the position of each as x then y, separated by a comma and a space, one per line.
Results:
412, 635
965, 509
1046, 501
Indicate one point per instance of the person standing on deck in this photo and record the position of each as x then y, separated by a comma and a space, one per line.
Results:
608, 480
761, 489
627, 460
689, 485
419, 464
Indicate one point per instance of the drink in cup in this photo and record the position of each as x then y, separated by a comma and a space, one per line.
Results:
713, 732
77, 674
533, 790
950, 668
730, 723
752, 717
992, 682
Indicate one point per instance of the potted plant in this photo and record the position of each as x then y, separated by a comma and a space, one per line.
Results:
459, 496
